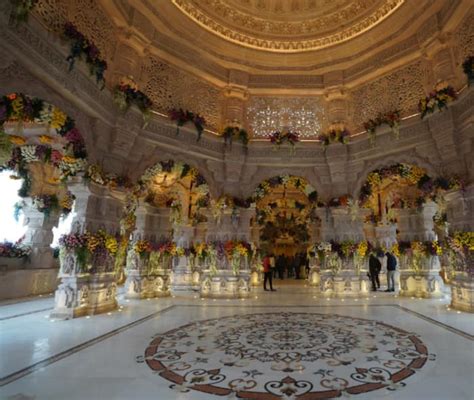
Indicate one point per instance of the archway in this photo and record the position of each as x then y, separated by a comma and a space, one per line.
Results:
285, 222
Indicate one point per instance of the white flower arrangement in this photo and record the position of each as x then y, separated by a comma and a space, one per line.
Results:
28, 153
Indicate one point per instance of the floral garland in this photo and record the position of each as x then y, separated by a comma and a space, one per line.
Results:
391, 119
181, 169
15, 250
460, 249
414, 174
81, 46
92, 250
181, 117
19, 108
232, 251
96, 174
468, 68
48, 203
290, 181
126, 94
21, 10
437, 100
234, 132
278, 138
334, 135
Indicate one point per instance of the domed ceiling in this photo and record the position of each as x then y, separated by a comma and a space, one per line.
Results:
287, 26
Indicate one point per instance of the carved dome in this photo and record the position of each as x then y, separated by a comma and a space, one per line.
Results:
287, 26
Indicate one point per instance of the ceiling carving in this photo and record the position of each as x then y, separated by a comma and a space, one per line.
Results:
287, 26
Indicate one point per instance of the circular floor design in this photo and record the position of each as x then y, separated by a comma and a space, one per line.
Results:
286, 355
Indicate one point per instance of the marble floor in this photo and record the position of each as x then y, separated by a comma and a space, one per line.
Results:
289, 344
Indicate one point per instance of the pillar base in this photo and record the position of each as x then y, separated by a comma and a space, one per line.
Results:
85, 294
425, 284
462, 292
346, 283
225, 285
141, 286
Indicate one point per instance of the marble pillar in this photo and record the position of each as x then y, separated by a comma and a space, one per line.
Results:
90, 288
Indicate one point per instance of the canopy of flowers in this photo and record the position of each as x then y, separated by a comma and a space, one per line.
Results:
413, 174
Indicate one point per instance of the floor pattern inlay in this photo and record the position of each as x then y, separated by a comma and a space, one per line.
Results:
286, 355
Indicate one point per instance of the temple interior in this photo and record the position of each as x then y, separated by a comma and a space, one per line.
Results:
236, 199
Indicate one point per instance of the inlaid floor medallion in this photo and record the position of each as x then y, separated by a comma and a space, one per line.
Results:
286, 355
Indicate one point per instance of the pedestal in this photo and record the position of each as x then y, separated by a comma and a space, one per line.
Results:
425, 282
462, 292
224, 284
182, 278
85, 294
39, 236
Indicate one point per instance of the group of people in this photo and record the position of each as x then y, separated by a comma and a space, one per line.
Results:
293, 267
375, 266
281, 266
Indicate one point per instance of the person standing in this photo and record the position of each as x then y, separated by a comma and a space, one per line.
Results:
267, 272
374, 269
391, 268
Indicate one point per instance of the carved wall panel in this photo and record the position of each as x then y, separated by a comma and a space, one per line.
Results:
89, 18
305, 115
464, 37
402, 89
169, 87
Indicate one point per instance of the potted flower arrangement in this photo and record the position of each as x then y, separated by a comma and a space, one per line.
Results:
181, 117
81, 47
437, 100
334, 135
278, 138
126, 94
234, 132
391, 119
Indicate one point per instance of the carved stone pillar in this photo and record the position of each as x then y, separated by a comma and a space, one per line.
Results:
182, 274
39, 235
440, 53
326, 230
81, 291
419, 277
416, 224
148, 275
127, 59
351, 279
235, 99
460, 215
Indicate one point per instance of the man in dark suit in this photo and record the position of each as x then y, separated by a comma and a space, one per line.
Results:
391, 268
374, 270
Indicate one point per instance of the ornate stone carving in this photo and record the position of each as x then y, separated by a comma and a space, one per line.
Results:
249, 29
266, 115
169, 87
401, 89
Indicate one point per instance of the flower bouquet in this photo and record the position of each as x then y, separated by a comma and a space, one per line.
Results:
391, 119
278, 138
234, 132
334, 135
181, 117
127, 94
437, 100
80, 47
14, 250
